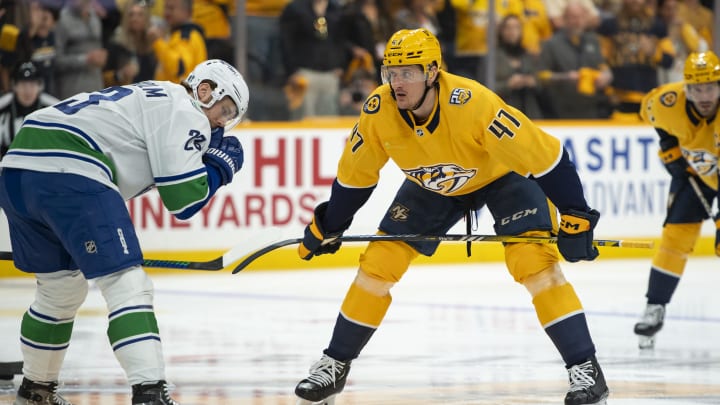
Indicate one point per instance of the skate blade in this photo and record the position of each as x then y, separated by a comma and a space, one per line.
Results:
327, 401
646, 342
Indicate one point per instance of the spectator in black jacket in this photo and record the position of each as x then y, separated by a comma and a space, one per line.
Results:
315, 53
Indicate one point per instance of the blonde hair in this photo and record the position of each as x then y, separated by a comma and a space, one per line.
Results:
135, 42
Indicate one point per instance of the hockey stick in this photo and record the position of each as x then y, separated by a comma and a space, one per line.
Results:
11, 368
437, 238
248, 246
700, 196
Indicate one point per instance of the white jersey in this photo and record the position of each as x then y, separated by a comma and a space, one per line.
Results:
128, 137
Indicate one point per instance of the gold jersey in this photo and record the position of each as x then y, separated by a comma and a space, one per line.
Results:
667, 108
471, 138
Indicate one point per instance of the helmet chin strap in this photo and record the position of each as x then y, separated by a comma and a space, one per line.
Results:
422, 99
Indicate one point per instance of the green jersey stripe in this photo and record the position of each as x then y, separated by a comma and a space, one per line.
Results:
31, 139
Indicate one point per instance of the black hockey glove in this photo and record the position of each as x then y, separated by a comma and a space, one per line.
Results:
576, 235
675, 162
316, 241
227, 157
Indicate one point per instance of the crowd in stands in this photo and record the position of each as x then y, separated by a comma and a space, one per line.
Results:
568, 59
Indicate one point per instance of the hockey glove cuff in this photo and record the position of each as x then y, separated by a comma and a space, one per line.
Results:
675, 162
316, 241
575, 238
216, 137
228, 158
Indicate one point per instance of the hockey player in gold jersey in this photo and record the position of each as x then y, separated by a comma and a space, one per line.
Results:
461, 148
684, 115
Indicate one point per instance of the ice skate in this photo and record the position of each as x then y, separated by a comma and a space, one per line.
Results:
587, 384
39, 393
152, 393
326, 380
650, 324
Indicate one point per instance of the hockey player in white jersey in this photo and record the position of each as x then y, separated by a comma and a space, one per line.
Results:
64, 183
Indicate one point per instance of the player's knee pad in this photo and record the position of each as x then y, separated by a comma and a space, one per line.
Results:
387, 261
125, 288
60, 294
678, 241
525, 259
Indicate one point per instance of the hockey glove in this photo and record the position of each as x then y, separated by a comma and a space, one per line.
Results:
675, 162
216, 137
576, 235
316, 241
227, 158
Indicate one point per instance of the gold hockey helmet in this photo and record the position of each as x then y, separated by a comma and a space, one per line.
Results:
702, 67
413, 47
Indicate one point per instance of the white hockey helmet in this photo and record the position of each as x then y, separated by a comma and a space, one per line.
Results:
228, 82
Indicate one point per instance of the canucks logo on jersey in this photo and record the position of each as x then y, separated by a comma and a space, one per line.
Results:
443, 178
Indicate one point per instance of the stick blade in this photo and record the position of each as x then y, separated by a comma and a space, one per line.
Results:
11, 368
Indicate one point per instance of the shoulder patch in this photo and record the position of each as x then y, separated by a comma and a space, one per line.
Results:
460, 96
668, 99
372, 105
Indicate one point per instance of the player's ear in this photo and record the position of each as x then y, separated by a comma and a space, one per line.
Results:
432, 73
204, 92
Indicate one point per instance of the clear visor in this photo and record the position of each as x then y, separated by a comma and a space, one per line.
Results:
402, 74
702, 92
229, 115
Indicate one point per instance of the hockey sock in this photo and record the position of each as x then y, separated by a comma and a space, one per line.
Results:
348, 339
44, 343
561, 315
132, 329
661, 286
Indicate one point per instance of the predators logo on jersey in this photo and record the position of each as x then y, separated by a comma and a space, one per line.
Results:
668, 99
703, 162
399, 212
372, 105
443, 178
460, 96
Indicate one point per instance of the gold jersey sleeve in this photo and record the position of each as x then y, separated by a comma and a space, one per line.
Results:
470, 139
667, 108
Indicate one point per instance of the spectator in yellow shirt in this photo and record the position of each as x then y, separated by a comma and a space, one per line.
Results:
214, 18
183, 47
